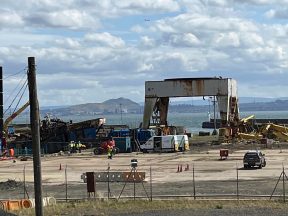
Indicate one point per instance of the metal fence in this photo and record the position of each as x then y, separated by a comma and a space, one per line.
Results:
150, 189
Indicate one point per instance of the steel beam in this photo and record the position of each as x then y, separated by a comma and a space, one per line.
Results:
223, 88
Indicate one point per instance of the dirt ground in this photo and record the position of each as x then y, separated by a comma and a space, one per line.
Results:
212, 175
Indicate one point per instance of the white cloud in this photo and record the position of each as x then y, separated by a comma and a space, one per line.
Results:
227, 39
147, 42
105, 39
72, 19
278, 14
149, 5
68, 43
108, 48
10, 19
185, 40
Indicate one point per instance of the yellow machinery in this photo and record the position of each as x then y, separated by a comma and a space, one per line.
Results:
11, 117
281, 132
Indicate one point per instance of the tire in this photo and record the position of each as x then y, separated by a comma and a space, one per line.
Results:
264, 165
116, 150
245, 166
98, 151
260, 166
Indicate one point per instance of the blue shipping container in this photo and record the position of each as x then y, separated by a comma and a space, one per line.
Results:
123, 144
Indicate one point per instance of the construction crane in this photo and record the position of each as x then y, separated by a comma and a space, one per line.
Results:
11, 117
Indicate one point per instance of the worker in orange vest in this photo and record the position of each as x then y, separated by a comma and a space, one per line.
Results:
11, 152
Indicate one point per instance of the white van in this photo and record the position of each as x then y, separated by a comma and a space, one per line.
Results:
183, 142
167, 143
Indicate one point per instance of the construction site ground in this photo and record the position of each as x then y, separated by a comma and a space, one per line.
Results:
212, 175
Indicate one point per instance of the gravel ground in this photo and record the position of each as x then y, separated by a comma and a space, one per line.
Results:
213, 212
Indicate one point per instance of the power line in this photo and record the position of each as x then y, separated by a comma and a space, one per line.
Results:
16, 86
20, 98
22, 70
24, 84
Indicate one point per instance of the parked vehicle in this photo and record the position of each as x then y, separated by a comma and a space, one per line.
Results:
183, 142
167, 143
254, 158
104, 145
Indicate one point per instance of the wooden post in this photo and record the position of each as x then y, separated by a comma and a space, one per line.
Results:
108, 180
283, 173
24, 182
134, 182
151, 183
194, 189
237, 181
66, 184
35, 131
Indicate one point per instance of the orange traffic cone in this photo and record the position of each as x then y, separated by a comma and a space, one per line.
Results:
60, 167
187, 167
181, 168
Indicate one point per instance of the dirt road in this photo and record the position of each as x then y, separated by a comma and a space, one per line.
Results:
212, 176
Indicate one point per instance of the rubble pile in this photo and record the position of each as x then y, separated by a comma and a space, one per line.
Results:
10, 185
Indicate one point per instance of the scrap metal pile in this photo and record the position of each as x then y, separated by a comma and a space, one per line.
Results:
249, 131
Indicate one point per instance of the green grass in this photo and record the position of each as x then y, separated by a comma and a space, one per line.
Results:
106, 207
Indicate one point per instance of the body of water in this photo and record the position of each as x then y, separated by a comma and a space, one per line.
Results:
191, 121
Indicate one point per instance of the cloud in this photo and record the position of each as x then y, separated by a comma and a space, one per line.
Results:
262, 2
92, 51
104, 39
72, 19
278, 14
147, 42
10, 19
185, 40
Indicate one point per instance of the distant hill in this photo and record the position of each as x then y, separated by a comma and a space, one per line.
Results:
115, 106
112, 106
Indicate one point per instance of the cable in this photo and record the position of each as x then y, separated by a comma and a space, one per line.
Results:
25, 69
16, 87
25, 84
20, 98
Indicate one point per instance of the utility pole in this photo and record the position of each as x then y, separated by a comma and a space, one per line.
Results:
1, 108
35, 131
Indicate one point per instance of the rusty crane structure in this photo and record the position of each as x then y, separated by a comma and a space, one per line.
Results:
158, 93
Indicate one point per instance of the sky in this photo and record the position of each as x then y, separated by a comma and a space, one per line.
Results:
89, 51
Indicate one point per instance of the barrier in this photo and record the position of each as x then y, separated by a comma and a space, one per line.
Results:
44, 201
50, 201
4, 205
14, 205
47, 201
32, 202
26, 203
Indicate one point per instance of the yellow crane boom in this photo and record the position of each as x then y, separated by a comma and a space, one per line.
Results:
14, 115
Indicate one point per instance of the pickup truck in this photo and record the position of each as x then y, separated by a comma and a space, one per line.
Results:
254, 158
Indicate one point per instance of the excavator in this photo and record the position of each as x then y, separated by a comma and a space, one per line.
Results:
11, 117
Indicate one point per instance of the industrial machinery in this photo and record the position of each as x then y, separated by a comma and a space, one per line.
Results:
104, 145
11, 117
269, 131
157, 94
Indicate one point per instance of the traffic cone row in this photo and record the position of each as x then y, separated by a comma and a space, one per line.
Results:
180, 168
